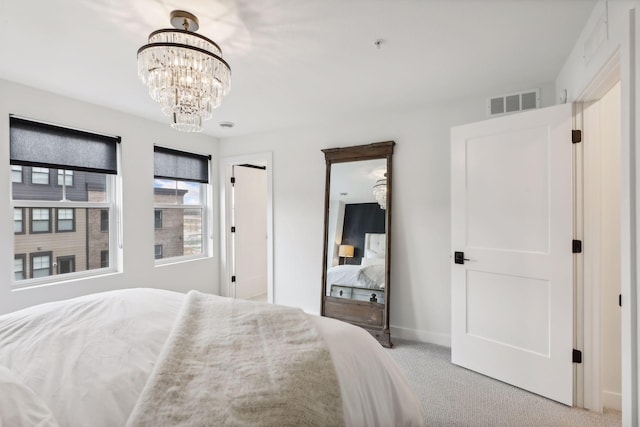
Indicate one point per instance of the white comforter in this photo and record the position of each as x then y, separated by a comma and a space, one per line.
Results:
88, 359
370, 276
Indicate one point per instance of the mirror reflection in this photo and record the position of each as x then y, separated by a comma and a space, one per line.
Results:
356, 243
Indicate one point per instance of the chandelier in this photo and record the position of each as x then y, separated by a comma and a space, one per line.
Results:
380, 192
185, 72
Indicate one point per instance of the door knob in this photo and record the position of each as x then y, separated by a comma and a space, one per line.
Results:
458, 258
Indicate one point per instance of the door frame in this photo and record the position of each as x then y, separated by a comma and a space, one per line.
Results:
588, 225
266, 159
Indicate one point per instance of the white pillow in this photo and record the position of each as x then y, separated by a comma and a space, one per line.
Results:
370, 253
372, 261
19, 405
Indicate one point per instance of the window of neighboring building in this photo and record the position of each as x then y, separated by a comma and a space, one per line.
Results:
65, 177
104, 259
66, 264
66, 220
158, 218
18, 220
16, 174
81, 231
158, 251
41, 264
18, 266
40, 176
104, 220
40, 220
180, 187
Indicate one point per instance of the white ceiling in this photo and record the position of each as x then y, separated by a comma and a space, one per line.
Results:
352, 182
296, 62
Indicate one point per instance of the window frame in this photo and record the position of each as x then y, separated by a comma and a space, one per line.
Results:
31, 228
205, 207
157, 211
104, 229
33, 255
102, 258
28, 156
73, 220
25, 273
158, 254
66, 173
33, 170
21, 170
22, 220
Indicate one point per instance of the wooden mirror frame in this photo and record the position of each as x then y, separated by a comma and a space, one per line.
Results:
368, 315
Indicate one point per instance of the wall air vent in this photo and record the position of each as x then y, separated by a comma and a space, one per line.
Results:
512, 103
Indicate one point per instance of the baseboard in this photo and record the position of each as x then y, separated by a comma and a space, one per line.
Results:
612, 400
420, 335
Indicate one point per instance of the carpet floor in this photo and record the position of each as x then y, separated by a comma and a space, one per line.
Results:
454, 396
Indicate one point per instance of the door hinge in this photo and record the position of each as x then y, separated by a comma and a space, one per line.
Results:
577, 246
233, 179
233, 229
577, 356
576, 136
233, 279
620, 300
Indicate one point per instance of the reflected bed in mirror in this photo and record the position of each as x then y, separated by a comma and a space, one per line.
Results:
355, 260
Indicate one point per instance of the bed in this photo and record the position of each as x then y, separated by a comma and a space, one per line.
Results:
355, 281
140, 357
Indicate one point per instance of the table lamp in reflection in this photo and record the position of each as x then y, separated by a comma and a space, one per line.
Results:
345, 251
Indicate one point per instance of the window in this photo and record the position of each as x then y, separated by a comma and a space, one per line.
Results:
158, 218
65, 177
104, 220
16, 174
18, 269
18, 220
104, 259
41, 264
40, 220
158, 250
66, 264
180, 188
80, 213
66, 220
40, 176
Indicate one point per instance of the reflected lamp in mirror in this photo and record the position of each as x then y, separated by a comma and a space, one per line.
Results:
345, 251
380, 192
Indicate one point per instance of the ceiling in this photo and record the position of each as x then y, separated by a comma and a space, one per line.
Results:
297, 62
352, 182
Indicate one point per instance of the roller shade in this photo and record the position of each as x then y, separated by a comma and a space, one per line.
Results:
49, 146
180, 165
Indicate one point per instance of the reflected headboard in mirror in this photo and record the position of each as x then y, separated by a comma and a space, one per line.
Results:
355, 283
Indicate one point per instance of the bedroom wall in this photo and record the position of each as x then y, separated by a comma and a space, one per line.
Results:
361, 218
138, 136
420, 266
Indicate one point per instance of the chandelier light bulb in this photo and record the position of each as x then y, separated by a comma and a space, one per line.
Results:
185, 72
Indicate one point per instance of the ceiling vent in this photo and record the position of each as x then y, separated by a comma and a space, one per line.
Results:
512, 103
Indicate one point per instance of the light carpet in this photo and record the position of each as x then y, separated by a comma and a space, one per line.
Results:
454, 396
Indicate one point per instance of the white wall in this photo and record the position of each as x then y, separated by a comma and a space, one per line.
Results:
138, 137
576, 76
420, 265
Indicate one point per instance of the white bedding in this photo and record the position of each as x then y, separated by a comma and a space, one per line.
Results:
363, 276
88, 359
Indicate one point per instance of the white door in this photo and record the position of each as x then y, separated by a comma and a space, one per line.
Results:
250, 232
511, 202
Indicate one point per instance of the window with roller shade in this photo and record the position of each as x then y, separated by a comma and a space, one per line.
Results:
180, 189
64, 210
